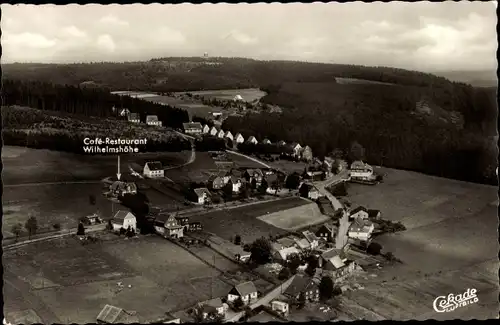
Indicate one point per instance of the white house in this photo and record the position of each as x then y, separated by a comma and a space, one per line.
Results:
206, 129
202, 194
123, 219
266, 141
281, 143
239, 138
153, 169
236, 183
213, 131
229, 135
359, 212
121, 188
280, 306
152, 120
252, 139
284, 254
296, 148
361, 229
361, 170
169, 227
124, 112
221, 134
192, 128
238, 98
246, 291
213, 306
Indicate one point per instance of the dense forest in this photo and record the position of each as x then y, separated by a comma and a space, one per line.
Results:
85, 101
453, 135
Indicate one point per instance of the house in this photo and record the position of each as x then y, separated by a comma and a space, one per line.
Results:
134, 118
125, 112
306, 154
338, 268
238, 98
280, 307
221, 134
152, 120
119, 188
235, 183
195, 226
302, 244
153, 169
286, 242
295, 148
266, 141
374, 214
92, 219
114, 315
361, 229
360, 170
359, 212
252, 140
239, 138
309, 191
229, 135
202, 195
169, 228
183, 221
254, 174
192, 128
327, 232
302, 285
281, 143
213, 131
124, 219
216, 182
212, 308
283, 254
246, 291
311, 238
329, 254
205, 129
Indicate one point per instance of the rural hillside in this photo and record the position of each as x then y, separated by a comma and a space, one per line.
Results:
391, 112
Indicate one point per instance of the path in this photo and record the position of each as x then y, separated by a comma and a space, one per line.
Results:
322, 185
250, 158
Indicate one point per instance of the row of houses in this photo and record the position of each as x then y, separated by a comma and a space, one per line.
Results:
151, 120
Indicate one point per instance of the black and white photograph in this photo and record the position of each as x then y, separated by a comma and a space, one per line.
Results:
267, 162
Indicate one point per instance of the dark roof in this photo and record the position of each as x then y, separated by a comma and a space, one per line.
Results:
133, 116
245, 288
154, 165
201, 190
192, 125
120, 216
360, 208
299, 285
309, 236
332, 253
373, 213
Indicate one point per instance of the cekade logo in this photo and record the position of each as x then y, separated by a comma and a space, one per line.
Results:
451, 302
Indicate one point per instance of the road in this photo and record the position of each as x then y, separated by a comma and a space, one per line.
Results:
322, 185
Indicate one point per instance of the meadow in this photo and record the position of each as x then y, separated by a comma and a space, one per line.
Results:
248, 94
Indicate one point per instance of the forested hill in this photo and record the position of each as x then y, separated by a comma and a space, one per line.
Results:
404, 119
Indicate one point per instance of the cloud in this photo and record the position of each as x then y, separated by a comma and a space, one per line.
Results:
28, 40
106, 43
241, 37
169, 36
72, 31
113, 21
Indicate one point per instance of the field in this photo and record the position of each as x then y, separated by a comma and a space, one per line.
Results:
243, 162
192, 106
198, 171
450, 241
244, 220
157, 277
296, 218
55, 186
249, 94
289, 166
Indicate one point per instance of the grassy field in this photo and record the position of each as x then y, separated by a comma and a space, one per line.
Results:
24, 196
296, 217
192, 106
199, 171
243, 162
249, 94
289, 166
244, 221
157, 277
452, 231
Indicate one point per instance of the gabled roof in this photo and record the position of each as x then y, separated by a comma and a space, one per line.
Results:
154, 165
299, 285
244, 289
200, 191
228, 133
332, 253
335, 263
302, 243
295, 144
206, 126
266, 140
213, 128
192, 125
238, 135
251, 138
361, 225
111, 314
360, 208
151, 118
120, 216
285, 252
309, 236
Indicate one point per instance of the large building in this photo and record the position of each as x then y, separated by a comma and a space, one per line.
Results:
153, 169
193, 128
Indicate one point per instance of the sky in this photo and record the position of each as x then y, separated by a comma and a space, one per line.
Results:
423, 36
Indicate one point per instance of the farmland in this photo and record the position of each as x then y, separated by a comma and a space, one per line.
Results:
198, 171
296, 217
244, 220
450, 244
248, 95
157, 277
